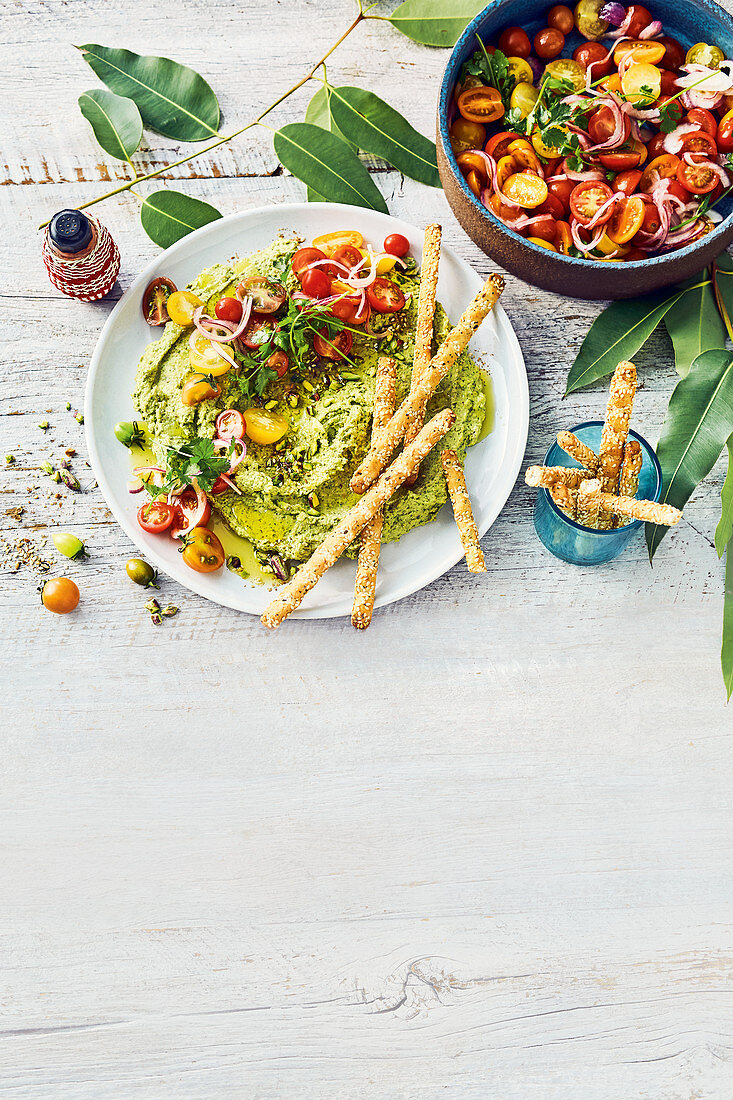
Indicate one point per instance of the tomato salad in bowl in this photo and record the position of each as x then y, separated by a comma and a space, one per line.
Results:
620, 152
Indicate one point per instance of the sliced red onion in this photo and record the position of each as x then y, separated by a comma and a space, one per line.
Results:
646, 114
588, 174
708, 100
602, 210
715, 80
649, 243
207, 325
237, 457
673, 142
135, 485
333, 263
220, 351
613, 13
231, 484
679, 237
580, 244
654, 28
360, 282
622, 28
582, 136
157, 473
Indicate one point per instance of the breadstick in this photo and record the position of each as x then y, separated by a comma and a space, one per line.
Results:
589, 499
630, 469
578, 450
565, 498
647, 510
424, 325
454, 344
462, 511
291, 594
545, 476
615, 430
365, 585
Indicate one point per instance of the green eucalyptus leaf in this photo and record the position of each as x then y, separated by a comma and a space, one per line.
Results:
694, 325
724, 530
169, 215
726, 649
434, 22
324, 162
699, 420
172, 99
617, 334
319, 114
115, 120
723, 286
378, 128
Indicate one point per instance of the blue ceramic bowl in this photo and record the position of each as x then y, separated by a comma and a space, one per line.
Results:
689, 21
580, 545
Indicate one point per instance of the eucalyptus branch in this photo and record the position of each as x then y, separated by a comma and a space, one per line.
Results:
226, 137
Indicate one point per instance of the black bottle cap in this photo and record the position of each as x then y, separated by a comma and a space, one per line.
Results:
70, 231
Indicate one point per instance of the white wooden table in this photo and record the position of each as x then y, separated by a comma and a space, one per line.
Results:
482, 850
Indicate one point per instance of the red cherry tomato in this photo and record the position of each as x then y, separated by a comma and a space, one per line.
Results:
675, 188
634, 255
562, 190
700, 143
674, 56
230, 425
305, 256
639, 17
279, 362
561, 17
595, 57
588, 198
260, 329
332, 347
544, 226
385, 296
651, 222
229, 309
315, 283
156, 516
668, 83
551, 206
621, 160
627, 182
704, 120
191, 509
602, 125
548, 43
220, 486
699, 179
497, 145
396, 244
655, 148
349, 256
725, 133
350, 310
514, 42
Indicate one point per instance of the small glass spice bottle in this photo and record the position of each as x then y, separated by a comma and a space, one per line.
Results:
80, 256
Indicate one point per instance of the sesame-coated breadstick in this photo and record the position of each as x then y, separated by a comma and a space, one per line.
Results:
647, 510
462, 511
290, 595
424, 324
628, 482
564, 498
545, 476
589, 499
365, 585
615, 431
445, 358
578, 450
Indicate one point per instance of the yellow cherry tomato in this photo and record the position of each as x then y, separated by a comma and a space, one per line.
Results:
564, 68
505, 168
523, 97
264, 426
702, 54
196, 389
524, 155
181, 305
329, 242
543, 244
466, 135
588, 18
526, 189
520, 69
606, 246
641, 84
541, 147
204, 357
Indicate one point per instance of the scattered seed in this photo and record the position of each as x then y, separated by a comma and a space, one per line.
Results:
43, 425
79, 418
9, 460
68, 406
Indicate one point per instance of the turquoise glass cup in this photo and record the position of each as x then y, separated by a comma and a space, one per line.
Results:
567, 539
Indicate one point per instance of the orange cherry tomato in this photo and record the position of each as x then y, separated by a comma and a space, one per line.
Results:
514, 42
549, 43
60, 595
466, 135
612, 83
524, 155
588, 198
472, 162
481, 104
627, 181
661, 168
505, 168
501, 209
725, 133
202, 550
699, 179
564, 238
497, 145
330, 242
638, 52
561, 17
626, 220
526, 189
475, 182
594, 57
542, 243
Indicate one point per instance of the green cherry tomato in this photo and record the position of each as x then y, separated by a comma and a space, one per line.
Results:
68, 545
129, 433
141, 573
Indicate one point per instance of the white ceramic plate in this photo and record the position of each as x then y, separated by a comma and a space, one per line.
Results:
405, 566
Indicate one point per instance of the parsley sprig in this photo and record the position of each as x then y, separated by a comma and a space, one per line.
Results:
493, 69
194, 462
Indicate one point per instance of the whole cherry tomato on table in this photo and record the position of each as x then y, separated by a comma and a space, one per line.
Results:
548, 43
229, 309
588, 198
60, 595
156, 516
514, 42
561, 17
396, 244
595, 57
202, 550
316, 284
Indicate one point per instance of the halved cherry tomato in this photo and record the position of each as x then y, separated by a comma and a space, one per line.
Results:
524, 155
497, 145
526, 189
396, 244
621, 160
332, 347
552, 167
305, 256
655, 148
480, 104
543, 226
505, 168
349, 256
466, 135
661, 168
259, 330
155, 298
514, 42
628, 181
700, 143
502, 210
638, 52
564, 238
181, 307
651, 222
699, 179
674, 54
602, 125
191, 509
316, 284
264, 426
611, 83
704, 120
156, 516
198, 388
588, 198
202, 550
267, 296
626, 220
229, 309
385, 296
725, 133
220, 486
230, 424
562, 190
594, 57
476, 184
350, 310
279, 362
551, 206
329, 242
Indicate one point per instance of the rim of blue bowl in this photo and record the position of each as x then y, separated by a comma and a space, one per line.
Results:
632, 524
446, 92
